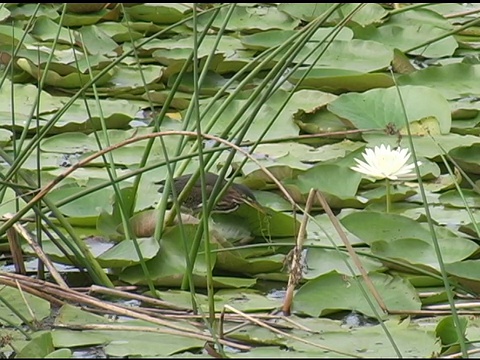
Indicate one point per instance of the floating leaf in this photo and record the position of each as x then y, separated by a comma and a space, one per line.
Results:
405, 37
340, 80
68, 81
39, 347
332, 179
469, 198
373, 226
451, 80
46, 29
159, 13
379, 108
125, 253
334, 292
169, 265
416, 251
266, 39
31, 307
246, 17
366, 14
467, 157
322, 261
357, 55
94, 41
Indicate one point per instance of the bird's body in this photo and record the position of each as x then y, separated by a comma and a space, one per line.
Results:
235, 195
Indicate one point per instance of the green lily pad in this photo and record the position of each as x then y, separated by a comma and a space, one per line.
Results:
320, 230
159, 13
121, 342
467, 158
323, 261
453, 199
380, 107
420, 252
271, 38
119, 32
23, 105
466, 272
4, 14
14, 35
373, 226
117, 115
212, 83
333, 292
39, 347
71, 19
358, 55
340, 80
28, 10
125, 254
379, 194
88, 206
168, 267
417, 340
283, 125
452, 80
31, 307
421, 16
245, 300
68, 81
405, 37
95, 41
339, 181
247, 17
364, 15
45, 29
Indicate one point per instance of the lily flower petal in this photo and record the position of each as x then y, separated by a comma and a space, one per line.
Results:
384, 163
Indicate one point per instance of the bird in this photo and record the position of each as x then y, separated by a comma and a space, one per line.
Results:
234, 196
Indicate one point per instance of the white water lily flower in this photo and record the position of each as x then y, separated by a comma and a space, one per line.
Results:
384, 163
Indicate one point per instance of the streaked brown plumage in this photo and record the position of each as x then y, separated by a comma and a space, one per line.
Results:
235, 195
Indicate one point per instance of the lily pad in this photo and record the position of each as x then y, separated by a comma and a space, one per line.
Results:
374, 226
58, 80
467, 158
409, 337
452, 198
271, 38
358, 55
452, 81
420, 252
363, 15
333, 292
466, 272
247, 17
340, 80
320, 230
31, 307
322, 261
46, 29
339, 181
39, 347
159, 13
125, 254
283, 124
405, 37
88, 206
382, 107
